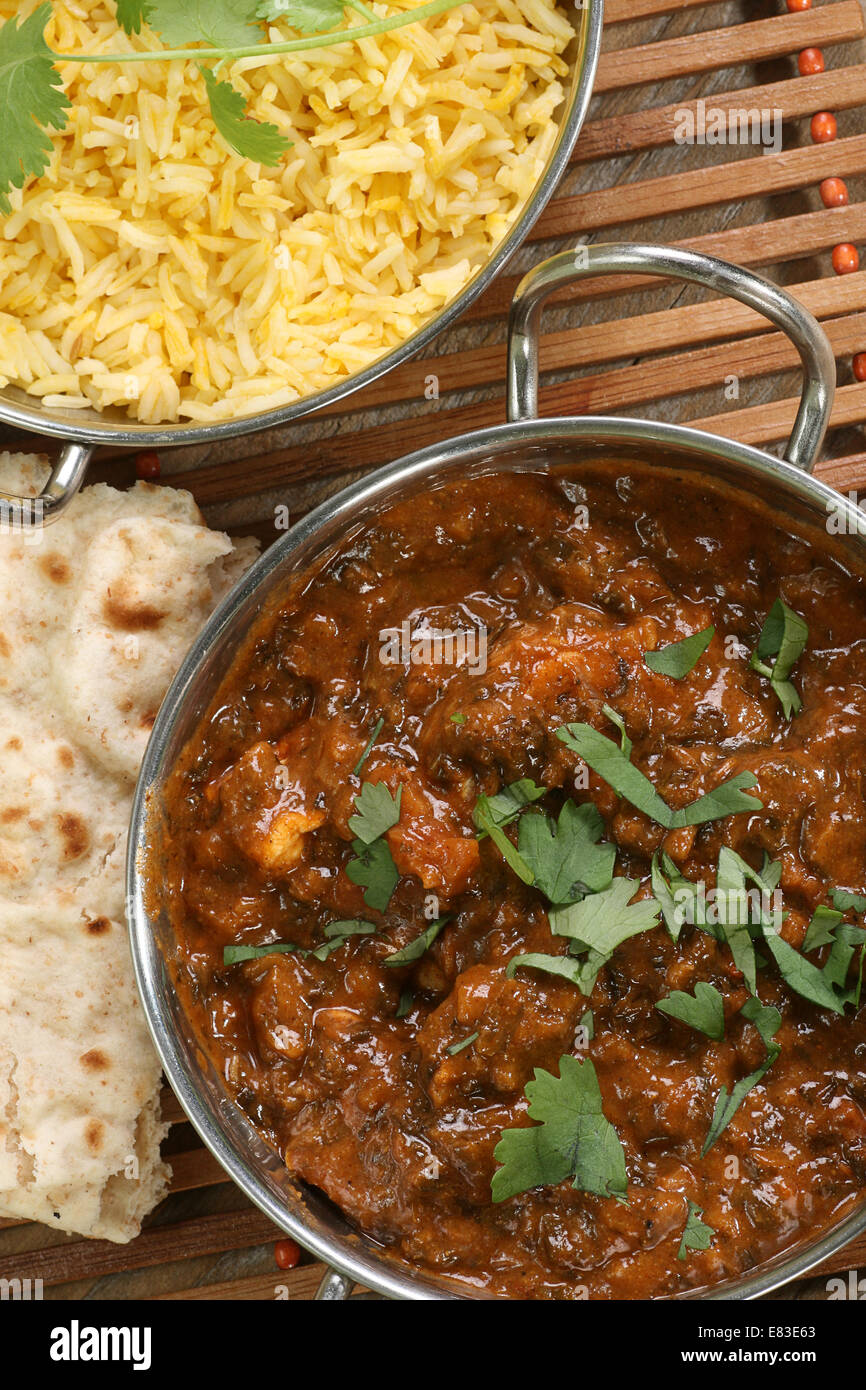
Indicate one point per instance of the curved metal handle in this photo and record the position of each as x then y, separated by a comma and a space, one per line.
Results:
819, 364
335, 1287
32, 513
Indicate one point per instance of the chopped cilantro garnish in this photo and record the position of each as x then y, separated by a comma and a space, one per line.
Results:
783, 637
847, 902
416, 948
767, 1020
377, 729
374, 870
377, 810
459, 1046
573, 1139
232, 955
625, 742
600, 923
697, 1234
566, 966
679, 658
822, 928
705, 1010
505, 806
565, 857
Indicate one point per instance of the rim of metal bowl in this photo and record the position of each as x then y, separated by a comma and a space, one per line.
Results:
71, 426
351, 1254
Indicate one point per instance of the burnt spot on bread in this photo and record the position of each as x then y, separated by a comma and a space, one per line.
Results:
10, 814
93, 1134
98, 927
55, 568
73, 833
14, 743
65, 756
94, 1060
5, 649
122, 609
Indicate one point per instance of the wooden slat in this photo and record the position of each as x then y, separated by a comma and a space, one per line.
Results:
771, 423
300, 1283
195, 1168
839, 89
91, 1259
618, 11
760, 175
721, 48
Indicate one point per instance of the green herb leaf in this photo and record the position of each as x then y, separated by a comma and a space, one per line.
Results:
705, 1010
566, 860
821, 986
457, 718
732, 906
509, 852
505, 806
405, 1003
29, 99
251, 139
573, 1138
822, 928
677, 896
783, 636
459, 1046
601, 922
603, 756
625, 743
767, 1020
565, 966
416, 948
847, 902
679, 658
219, 23
373, 869
307, 16
131, 14
233, 954
697, 1234
340, 932
378, 810
587, 1021
377, 729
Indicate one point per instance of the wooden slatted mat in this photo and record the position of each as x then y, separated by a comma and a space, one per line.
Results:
624, 345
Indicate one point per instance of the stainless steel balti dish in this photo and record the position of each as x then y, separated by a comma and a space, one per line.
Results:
82, 431
524, 443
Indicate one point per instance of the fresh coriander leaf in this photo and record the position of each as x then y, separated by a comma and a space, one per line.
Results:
732, 906
587, 1021
307, 16
377, 729
505, 806
679, 658
233, 954
806, 979
704, 1011
847, 901
30, 98
604, 920
678, 897
340, 932
509, 852
457, 718
625, 743
603, 756
565, 966
767, 1020
373, 869
783, 636
131, 14
219, 23
459, 1046
822, 928
566, 860
251, 139
416, 948
725, 800
405, 1003
377, 809
838, 962
573, 1139
697, 1235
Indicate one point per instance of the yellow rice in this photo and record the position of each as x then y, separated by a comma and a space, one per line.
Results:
154, 271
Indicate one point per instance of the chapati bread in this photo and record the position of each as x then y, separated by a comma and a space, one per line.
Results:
96, 613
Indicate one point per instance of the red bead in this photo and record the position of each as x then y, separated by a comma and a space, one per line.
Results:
846, 259
287, 1254
834, 193
859, 366
796, 6
147, 464
823, 127
810, 62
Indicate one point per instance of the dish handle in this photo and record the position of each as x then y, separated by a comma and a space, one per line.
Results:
609, 258
335, 1287
32, 513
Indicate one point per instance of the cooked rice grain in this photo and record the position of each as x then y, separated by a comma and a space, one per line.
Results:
153, 271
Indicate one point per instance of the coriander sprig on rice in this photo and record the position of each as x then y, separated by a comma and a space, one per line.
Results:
32, 100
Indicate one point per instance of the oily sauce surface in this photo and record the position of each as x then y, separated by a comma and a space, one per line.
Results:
371, 1107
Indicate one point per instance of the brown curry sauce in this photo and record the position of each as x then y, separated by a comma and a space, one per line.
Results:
371, 1108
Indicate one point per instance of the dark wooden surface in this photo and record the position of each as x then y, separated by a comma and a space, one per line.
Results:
625, 346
